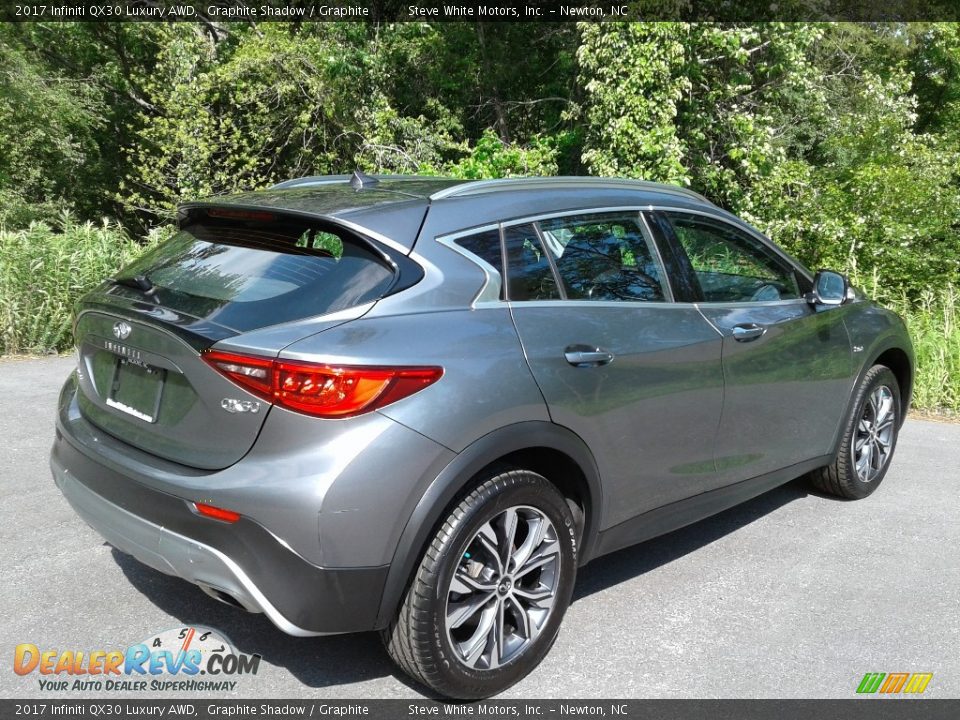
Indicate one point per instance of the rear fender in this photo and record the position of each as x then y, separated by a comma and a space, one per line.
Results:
454, 480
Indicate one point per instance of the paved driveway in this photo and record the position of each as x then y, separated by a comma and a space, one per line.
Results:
789, 595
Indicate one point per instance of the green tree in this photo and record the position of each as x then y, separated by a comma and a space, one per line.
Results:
49, 132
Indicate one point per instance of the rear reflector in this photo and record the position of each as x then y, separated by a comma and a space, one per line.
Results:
216, 513
322, 390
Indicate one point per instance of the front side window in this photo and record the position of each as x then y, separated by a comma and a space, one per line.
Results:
604, 256
731, 265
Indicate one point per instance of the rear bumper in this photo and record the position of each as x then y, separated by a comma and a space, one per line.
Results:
242, 560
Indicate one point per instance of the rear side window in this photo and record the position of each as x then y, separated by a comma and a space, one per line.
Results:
250, 275
604, 257
530, 275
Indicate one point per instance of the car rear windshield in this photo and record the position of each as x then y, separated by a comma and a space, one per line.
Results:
248, 275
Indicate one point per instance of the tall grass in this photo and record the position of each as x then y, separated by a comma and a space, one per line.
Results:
932, 322
44, 270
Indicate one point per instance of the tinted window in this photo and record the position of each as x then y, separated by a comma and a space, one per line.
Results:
604, 257
252, 275
486, 246
530, 276
731, 265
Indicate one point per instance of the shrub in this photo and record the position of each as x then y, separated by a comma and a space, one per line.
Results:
932, 322
45, 269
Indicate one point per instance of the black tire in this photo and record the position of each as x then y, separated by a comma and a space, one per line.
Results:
420, 640
842, 477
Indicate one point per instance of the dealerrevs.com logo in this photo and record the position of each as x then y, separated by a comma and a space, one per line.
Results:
187, 659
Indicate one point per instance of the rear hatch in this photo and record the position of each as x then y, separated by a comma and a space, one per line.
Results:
227, 274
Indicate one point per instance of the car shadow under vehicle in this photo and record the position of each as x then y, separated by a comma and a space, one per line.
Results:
344, 659
636, 560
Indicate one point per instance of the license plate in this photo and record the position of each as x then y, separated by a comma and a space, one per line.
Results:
136, 389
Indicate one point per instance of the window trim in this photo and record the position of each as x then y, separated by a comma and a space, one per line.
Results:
492, 290
787, 262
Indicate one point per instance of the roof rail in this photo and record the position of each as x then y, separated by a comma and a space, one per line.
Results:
364, 180
311, 180
483, 187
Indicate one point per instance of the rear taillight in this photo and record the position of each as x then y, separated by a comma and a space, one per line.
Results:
332, 391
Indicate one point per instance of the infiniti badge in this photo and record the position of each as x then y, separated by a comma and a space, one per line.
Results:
121, 330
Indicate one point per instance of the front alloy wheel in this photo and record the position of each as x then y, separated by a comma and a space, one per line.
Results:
486, 602
869, 438
875, 434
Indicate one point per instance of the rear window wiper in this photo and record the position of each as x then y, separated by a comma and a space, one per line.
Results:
137, 282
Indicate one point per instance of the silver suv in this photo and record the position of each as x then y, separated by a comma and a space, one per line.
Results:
418, 405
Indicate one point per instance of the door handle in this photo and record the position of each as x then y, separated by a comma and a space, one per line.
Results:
747, 332
586, 355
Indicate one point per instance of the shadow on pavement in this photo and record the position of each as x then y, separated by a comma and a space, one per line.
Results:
344, 659
631, 562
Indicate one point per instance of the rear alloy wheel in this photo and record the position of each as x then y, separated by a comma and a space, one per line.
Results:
487, 600
869, 439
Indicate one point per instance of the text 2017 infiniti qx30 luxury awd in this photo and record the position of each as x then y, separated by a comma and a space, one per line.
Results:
418, 405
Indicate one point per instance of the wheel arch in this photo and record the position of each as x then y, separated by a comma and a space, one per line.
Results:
897, 359
894, 355
543, 447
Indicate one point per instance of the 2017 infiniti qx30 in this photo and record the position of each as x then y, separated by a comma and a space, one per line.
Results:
418, 405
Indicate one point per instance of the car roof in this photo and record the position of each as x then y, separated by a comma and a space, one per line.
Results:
394, 206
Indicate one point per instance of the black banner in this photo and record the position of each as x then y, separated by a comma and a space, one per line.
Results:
207, 709
469, 11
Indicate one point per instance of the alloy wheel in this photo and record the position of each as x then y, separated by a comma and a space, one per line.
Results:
875, 434
503, 589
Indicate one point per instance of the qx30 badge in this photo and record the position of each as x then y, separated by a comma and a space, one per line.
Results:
121, 330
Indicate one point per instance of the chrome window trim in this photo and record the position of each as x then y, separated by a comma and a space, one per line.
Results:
647, 303
489, 293
598, 304
582, 211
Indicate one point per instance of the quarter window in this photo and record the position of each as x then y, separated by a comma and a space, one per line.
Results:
731, 265
486, 246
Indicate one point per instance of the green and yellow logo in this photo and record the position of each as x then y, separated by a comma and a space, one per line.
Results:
893, 683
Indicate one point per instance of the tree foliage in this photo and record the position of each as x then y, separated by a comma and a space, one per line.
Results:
840, 140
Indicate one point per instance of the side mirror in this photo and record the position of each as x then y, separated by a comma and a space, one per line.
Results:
829, 288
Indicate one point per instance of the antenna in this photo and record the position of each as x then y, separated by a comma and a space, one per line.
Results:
360, 180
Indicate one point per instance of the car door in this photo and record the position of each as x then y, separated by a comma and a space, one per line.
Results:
786, 363
635, 375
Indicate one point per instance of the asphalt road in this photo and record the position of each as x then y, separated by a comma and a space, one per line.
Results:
791, 595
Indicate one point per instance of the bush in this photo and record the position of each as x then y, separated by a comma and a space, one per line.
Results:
45, 269
932, 322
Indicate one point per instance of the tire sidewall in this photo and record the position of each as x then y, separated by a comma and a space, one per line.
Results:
534, 491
